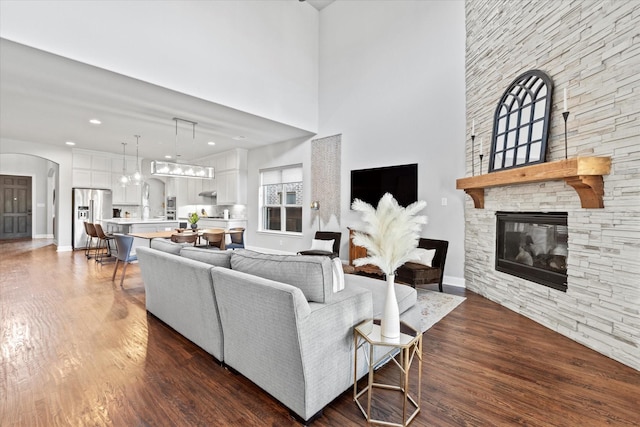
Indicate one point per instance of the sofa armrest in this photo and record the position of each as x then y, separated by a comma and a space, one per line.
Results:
179, 291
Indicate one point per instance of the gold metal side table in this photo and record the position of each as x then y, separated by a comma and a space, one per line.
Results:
409, 345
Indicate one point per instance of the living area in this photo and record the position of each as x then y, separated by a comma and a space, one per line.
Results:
394, 93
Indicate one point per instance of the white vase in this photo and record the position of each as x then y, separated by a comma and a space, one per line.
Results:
390, 325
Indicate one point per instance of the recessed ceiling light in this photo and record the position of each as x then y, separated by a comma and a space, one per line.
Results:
239, 137
167, 157
211, 143
95, 122
70, 143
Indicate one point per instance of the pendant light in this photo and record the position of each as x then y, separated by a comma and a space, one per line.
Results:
137, 176
184, 170
124, 179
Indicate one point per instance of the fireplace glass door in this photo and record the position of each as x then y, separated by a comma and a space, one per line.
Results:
533, 246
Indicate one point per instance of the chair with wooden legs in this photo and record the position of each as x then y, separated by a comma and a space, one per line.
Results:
215, 238
123, 245
237, 238
185, 237
102, 238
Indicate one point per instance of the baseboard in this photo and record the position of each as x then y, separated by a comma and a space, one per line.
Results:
64, 249
43, 236
454, 281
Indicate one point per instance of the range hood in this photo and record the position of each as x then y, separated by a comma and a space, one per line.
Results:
208, 194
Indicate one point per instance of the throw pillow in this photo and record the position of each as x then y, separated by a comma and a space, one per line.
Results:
338, 275
322, 245
424, 256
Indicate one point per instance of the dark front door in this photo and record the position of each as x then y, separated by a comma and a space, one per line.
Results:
15, 199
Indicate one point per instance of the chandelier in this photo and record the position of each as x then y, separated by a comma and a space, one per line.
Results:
161, 168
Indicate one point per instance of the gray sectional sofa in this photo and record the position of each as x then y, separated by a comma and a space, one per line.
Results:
273, 318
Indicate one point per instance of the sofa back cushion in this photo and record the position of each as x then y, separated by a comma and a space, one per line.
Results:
313, 275
209, 256
166, 245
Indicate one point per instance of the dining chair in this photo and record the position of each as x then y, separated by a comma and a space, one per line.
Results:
237, 238
215, 238
103, 238
123, 246
185, 237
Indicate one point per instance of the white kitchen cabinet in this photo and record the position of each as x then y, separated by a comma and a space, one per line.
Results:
86, 178
81, 178
130, 165
102, 170
194, 187
230, 160
100, 179
232, 187
100, 163
81, 161
187, 190
127, 195
209, 185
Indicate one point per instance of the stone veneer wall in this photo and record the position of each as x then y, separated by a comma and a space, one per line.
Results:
592, 48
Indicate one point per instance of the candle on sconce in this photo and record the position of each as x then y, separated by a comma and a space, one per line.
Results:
473, 127
565, 100
480, 145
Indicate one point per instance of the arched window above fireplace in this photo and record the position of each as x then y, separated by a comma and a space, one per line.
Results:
521, 122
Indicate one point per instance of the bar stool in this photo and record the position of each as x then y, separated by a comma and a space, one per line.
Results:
103, 237
90, 229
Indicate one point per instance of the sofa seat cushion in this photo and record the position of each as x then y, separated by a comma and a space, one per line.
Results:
216, 258
313, 275
407, 296
418, 274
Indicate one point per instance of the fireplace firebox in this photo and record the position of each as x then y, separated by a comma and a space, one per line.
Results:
533, 246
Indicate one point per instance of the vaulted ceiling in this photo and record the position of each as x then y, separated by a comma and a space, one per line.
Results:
49, 99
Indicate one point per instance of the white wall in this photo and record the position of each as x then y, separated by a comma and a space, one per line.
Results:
62, 157
256, 56
392, 83
396, 93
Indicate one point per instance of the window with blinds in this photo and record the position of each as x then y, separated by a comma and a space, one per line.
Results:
281, 199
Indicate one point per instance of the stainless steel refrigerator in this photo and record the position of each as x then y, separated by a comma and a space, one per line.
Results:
89, 204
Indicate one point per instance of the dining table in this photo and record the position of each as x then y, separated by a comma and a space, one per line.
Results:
166, 234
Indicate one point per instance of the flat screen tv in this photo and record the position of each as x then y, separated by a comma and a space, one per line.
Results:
369, 185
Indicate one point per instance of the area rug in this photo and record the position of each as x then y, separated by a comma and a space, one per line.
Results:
436, 305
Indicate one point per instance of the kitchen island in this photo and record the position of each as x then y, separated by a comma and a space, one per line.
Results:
137, 225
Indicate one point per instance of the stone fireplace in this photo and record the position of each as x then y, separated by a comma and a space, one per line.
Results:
533, 246
601, 305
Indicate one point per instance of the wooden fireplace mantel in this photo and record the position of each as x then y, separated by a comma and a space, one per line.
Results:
584, 174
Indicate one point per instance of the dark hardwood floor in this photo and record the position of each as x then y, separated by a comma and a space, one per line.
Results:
77, 350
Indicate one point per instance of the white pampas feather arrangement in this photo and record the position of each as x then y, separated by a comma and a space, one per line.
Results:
390, 234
